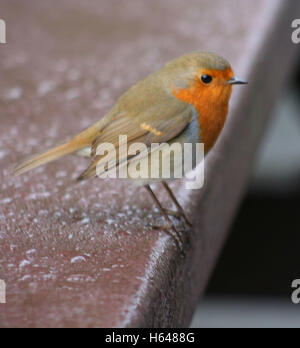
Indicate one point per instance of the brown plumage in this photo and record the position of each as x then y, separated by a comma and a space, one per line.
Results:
147, 108
186, 101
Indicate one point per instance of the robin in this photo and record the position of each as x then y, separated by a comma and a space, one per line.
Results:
186, 101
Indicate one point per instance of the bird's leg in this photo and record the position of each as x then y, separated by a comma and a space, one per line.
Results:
179, 207
170, 228
176, 214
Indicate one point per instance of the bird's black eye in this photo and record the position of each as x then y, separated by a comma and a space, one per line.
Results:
206, 79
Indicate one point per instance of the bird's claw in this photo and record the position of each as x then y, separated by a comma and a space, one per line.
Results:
173, 232
178, 215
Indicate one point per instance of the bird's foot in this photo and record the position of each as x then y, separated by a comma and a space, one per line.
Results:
178, 215
171, 230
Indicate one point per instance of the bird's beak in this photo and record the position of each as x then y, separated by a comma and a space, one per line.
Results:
236, 81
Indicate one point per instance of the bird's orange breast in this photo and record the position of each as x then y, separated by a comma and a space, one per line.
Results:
211, 104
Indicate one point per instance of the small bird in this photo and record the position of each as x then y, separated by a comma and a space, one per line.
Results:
186, 101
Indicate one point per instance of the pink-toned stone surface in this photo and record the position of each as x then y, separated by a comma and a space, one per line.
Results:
79, 254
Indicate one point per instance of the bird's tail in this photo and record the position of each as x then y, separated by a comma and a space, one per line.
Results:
76, 144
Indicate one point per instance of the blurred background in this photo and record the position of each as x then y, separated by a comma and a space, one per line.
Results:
251, 285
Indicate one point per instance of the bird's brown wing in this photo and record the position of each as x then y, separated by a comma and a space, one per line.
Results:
155, 128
